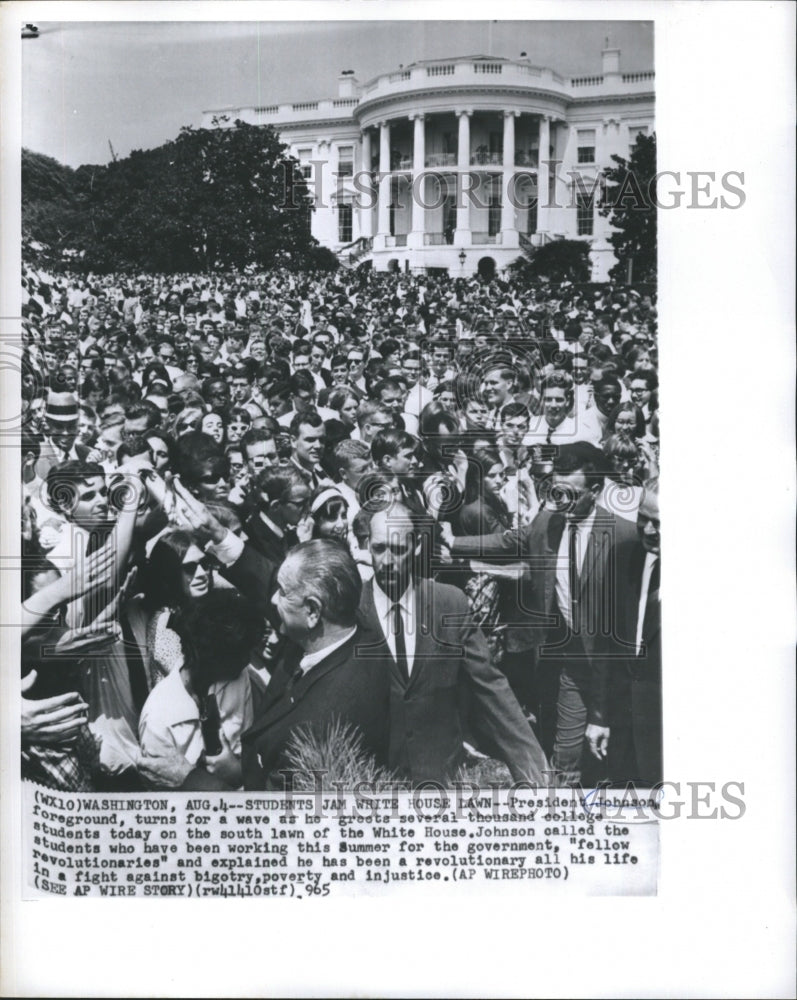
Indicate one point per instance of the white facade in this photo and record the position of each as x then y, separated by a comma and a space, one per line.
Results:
438, 165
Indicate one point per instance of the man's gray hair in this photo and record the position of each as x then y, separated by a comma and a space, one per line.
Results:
327, 572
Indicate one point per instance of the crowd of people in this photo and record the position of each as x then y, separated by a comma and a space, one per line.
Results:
256, 505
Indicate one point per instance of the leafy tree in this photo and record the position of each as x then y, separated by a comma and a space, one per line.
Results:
51, 206
560, 260
629, 205
217, 198
212, 199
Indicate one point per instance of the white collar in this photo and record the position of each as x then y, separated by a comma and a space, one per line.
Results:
311, 659
384, 604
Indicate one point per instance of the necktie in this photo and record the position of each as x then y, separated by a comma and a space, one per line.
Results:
572, 564
397, 626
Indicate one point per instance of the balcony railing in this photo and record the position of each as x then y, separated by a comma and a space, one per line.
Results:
527, 159
441, 159
399, 240
487, 159
586, 81
638, 77
485, 238
488, 67
438, 239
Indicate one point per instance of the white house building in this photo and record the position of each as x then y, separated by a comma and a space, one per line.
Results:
440, 164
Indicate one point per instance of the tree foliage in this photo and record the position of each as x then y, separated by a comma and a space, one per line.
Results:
629, 204
218, 198
560, 260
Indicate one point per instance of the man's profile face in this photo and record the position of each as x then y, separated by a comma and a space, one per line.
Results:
495, 388
648, 523
402, 464
289, 602
392, 545
308, 444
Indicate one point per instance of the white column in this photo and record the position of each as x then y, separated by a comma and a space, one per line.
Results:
462, 234
509, 235
383, 227
418, 226
543, 174
366, 212
562, 216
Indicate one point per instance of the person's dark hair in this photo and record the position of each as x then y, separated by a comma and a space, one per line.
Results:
387, 383
311, 418
162, 574
301, 381
193, 449
61, 483
389, 442
31, 568
337, 399
481, 461
277, 483
255, 435
511, 410
649, 376
144, 408
329, 575
156, 372
581, 456
221, 628
93, 381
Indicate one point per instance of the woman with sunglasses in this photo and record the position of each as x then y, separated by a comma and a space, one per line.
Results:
177, 573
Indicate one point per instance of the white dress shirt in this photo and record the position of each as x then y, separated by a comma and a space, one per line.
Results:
563, 563
384, 611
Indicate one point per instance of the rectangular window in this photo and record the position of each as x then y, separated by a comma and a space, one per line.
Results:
494, 214
303, 155
449, 217
586, 145
345, 161
634, 132
531, 216
344, 222
585, 213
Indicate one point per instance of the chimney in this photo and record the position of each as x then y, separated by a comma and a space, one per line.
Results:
347, 84
611, 64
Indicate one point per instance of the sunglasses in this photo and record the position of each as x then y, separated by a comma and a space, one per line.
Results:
190, 568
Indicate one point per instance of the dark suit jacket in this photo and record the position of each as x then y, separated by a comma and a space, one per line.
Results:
425, 719
343, 686
605, 638
640, 757
265, 540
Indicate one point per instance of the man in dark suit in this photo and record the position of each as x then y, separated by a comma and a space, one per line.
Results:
578, 586
321, 679
637, 751
325, 680
420, 632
